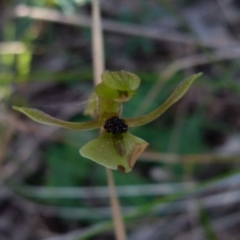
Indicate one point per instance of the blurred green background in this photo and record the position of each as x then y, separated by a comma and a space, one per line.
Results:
186, 184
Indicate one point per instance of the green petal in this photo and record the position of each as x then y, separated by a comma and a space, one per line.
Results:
121, 80
174, 97
118, 152
44, 118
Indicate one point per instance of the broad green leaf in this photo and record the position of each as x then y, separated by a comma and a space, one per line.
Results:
174, 97
44, 118
121, 80
118, 152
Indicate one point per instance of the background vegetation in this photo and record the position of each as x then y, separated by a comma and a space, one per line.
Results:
186, 185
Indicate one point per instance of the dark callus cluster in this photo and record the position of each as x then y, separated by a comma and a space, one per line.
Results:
115, 125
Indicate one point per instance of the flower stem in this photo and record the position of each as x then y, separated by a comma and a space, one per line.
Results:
98, 63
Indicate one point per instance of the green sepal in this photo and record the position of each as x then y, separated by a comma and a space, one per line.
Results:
177, 94
118, 152
102, 90
121, 80
41, 117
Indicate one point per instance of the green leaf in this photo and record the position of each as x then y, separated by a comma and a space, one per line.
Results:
121, 80
118, 152
177, 94
41, 117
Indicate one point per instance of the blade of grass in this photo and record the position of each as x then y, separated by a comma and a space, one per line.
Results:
207, 224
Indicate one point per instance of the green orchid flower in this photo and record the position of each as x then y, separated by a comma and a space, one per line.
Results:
115, 148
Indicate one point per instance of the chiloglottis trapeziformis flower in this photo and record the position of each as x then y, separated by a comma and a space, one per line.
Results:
116, 147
